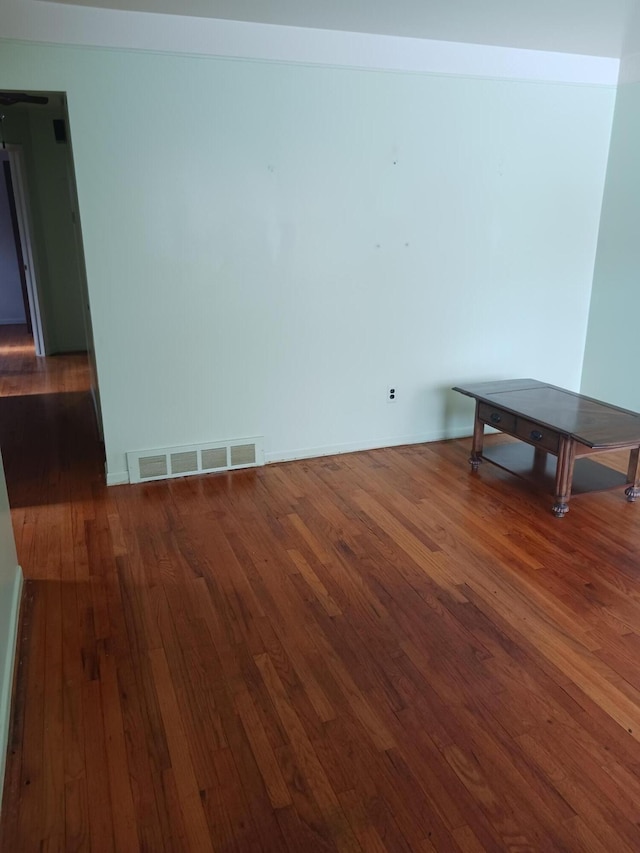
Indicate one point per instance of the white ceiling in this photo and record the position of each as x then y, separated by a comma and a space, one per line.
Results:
591, 27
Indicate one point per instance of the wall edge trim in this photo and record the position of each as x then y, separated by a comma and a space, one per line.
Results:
10, 663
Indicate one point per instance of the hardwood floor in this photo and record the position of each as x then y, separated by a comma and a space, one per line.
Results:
371, 652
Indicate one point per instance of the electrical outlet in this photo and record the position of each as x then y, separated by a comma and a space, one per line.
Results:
392, 394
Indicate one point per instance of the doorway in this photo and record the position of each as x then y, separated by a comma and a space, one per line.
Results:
14, 305
36, 137
20, 302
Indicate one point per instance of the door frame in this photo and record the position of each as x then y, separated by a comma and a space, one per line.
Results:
8, 184
21, 199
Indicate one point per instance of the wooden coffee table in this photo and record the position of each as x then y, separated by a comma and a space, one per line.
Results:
557, 429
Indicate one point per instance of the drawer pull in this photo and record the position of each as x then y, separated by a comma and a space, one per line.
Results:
496, 418
536, 435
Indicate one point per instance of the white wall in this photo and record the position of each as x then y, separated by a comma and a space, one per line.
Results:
11, 302
10, 586
269, 246
615, 304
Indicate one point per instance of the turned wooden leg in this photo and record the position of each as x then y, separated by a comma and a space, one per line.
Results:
633, 475
564, 477
478, 442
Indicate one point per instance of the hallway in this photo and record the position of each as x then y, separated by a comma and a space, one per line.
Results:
52, 463
47, 427
370, 652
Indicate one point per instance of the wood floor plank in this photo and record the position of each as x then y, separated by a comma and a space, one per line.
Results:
307, 759
53, 753
262, 751
188, 792
125, 828
33, 777
101, 816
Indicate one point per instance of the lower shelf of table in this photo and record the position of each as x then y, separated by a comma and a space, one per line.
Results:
519, 458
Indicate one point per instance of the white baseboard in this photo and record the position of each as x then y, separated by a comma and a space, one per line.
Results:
353, 447
117, 478
9, 666
16, 322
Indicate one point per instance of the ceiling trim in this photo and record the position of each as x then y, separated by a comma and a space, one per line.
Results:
55, 23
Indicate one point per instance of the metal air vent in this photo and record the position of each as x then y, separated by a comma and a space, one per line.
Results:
164, 463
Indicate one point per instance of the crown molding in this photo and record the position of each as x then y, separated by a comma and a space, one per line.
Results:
62, 24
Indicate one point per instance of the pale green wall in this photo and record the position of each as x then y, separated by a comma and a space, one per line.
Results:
58, 275
269, 246
10, 582
615, 303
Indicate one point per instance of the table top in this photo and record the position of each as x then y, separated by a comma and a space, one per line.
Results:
589, 421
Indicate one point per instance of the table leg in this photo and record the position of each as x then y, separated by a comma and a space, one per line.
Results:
633, 475
564, 476
539, 460
478, 441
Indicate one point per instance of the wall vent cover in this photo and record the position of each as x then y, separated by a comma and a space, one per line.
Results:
152, 467
167, 462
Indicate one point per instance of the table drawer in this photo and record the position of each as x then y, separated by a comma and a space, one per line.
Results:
538, 435
497, 417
